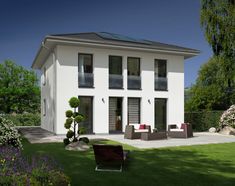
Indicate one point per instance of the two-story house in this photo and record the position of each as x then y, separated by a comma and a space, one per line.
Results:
118, 79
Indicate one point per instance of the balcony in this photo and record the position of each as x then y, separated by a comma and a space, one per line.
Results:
134, 82
85, 79
115, 81
160, 83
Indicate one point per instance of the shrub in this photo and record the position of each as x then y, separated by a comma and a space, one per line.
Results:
69, 134
74, 102
8, 134
66, 141
203, 120
67, 125
72, 121
15, 169
27, 119
82, 130
228, 117
69, 113
84, 139
79, 118
69, 120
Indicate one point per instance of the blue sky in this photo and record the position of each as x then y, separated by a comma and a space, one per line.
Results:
24, 24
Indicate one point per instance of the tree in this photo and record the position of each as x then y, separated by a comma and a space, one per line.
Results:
19, 90
209, 92
72, 121
218, 21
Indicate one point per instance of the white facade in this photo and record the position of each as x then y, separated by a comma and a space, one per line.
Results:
62, 83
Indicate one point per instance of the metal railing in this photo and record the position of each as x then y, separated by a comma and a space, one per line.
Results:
85, 79
115, 81
161, 83
134, 82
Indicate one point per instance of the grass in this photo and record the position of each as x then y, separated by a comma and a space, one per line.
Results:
191, 165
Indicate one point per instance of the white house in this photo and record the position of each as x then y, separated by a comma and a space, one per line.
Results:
118, 79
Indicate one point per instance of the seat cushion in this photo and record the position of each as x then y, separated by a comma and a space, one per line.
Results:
136, 125
177, 130
142, 126
141, 130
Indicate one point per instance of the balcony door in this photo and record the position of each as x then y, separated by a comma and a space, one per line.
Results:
115, 72
160, 114
133, 70
85, 70
115, 115
160, 74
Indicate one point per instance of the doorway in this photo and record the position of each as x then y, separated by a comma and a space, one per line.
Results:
115, 115
160, 114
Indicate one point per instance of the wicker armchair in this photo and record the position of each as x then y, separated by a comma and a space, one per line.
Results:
132, 133
185, 131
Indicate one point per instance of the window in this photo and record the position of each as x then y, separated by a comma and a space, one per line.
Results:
115, 72
133, 110
85, 70
160, 113
160, 74
44, 107
44, 76
133, 70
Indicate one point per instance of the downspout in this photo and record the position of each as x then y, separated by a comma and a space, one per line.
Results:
54, 85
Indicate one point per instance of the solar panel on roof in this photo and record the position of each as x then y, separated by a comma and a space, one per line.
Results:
118, 37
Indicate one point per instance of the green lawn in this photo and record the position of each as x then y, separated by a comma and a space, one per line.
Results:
191, 165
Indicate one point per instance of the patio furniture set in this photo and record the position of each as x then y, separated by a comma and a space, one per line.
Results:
143, 132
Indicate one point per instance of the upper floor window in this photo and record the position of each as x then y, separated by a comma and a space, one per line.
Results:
133, 70
115, 72
160, 74
85, 70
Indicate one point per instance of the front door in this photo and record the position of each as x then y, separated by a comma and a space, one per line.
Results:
115, 115
160, 114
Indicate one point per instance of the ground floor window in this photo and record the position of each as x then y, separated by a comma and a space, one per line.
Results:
115, 114
133, 110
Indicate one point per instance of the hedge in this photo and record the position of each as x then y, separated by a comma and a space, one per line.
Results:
203, 120
24, 119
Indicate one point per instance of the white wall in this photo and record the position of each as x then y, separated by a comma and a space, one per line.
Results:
67, 85
48, 121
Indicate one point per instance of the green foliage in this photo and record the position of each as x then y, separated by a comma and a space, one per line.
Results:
8, 134
27, 119
210, 91
82, 130
58, 178
67, 125
84, 139
69, 113
66, 141
217, 19
79, 118
74, 102
203, 120
69, 121
69, 134
19, 90
72, 121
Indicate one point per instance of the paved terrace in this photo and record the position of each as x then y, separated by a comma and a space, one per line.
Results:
38, 135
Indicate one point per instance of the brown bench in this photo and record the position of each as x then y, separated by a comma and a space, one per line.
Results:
109, 157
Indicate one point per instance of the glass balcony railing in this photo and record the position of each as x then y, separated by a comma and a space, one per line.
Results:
115, 81
160, 83
134, 82
85, 79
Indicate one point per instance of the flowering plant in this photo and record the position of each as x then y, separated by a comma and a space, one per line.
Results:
15, 169
228, 117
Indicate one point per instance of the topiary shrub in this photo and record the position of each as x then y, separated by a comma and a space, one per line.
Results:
72, 121
228, 118
9, 134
